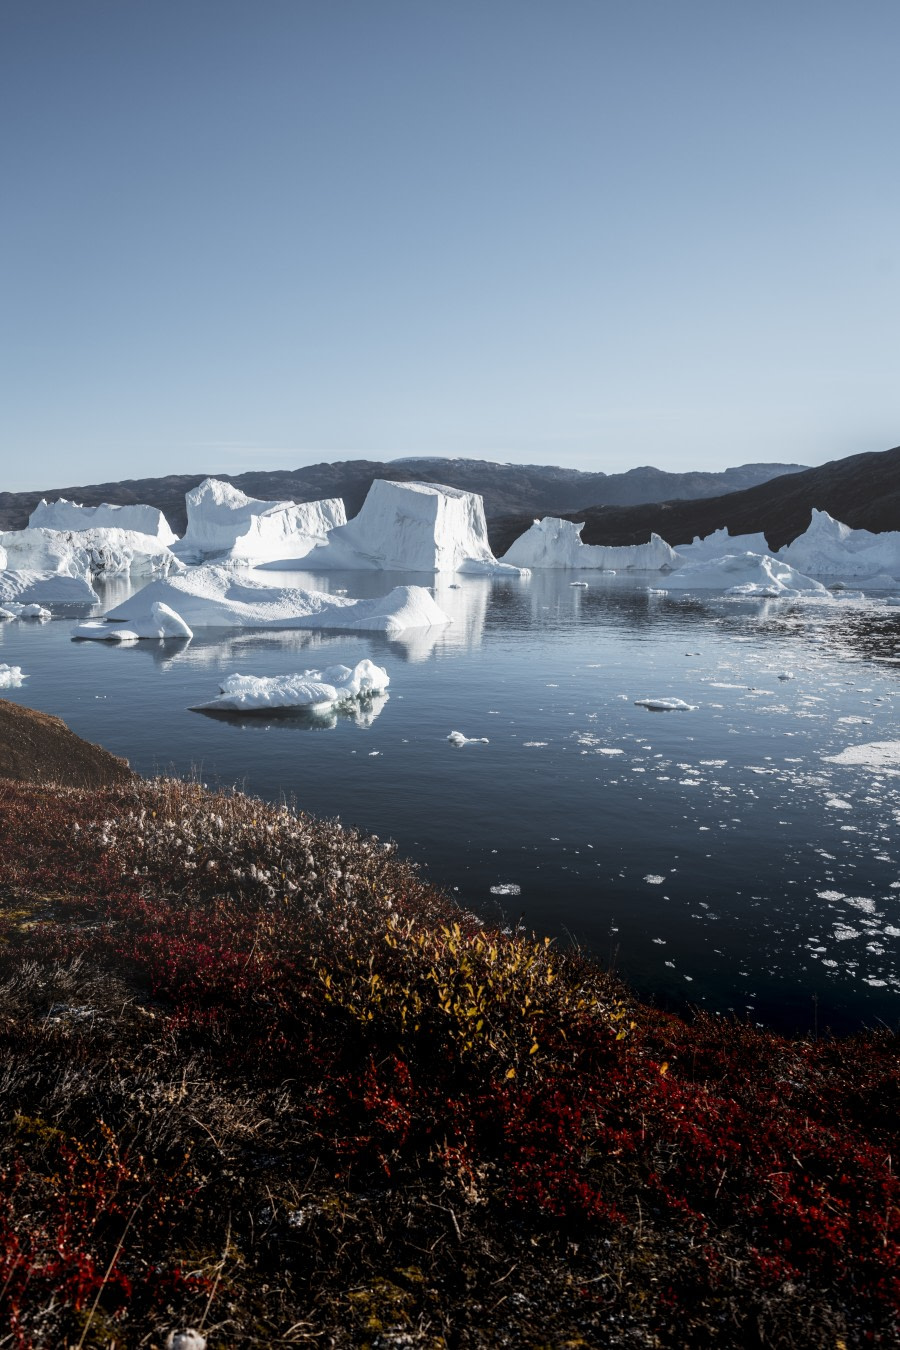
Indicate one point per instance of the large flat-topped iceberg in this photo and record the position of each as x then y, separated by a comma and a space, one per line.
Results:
217, 597
312, 691
745, 574
66, 515
225, 524
552, 542
416, 527
830, 549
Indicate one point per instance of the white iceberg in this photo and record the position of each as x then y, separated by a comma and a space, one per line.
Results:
137, 519
416, 527
552, 542
161, 622
89, 553
11, 677
752, 574
225, 524
217, 597
33, 586
314, 691
721, 544
829, 548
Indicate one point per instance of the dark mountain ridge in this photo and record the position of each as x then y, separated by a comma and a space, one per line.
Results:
507, 489
863, 491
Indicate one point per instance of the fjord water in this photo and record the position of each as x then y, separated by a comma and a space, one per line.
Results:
715, 855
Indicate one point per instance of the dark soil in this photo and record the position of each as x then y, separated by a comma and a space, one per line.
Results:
37, 748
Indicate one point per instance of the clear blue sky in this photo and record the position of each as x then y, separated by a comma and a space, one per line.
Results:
259, 233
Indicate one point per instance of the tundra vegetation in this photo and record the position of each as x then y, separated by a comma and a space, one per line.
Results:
260, 1078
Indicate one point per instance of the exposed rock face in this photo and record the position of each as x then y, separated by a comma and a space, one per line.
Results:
38, 748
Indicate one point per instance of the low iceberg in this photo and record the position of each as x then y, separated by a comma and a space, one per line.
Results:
311, 691
553, 542
721, 544
750, 574
217, 597
162, 622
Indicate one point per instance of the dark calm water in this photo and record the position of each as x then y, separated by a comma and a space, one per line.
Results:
715, 855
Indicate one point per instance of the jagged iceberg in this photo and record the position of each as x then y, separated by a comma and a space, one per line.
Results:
831, 549
43, 567
161, 622
552, 542
314, 691
89, 553
416, 527
752, 574
225, 524
217, 597
11, 677
136, 519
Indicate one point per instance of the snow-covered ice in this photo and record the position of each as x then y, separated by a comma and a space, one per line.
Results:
11, 677
310, 690
553, 542
137, 519
218, 597
161, 622
225, 524
751, 574
416, 527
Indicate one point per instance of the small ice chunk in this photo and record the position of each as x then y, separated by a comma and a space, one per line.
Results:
871, 755
11, 677
786, 675
457, 738
665, 704
311, 690
161, 622
506, 888
653, 879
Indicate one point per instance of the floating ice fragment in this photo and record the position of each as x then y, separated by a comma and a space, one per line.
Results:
457, 738
653, 880
314, 691
665, 704
11, 677
506, 888
871, 755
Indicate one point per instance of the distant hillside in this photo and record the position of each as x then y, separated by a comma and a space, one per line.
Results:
507, 489
862, 491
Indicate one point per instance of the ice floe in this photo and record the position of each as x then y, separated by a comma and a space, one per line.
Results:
218, 597
11, 677
871, 755
161, 622
313, 691
417, 527
225, 524
556, 543
665, 704
751, 574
